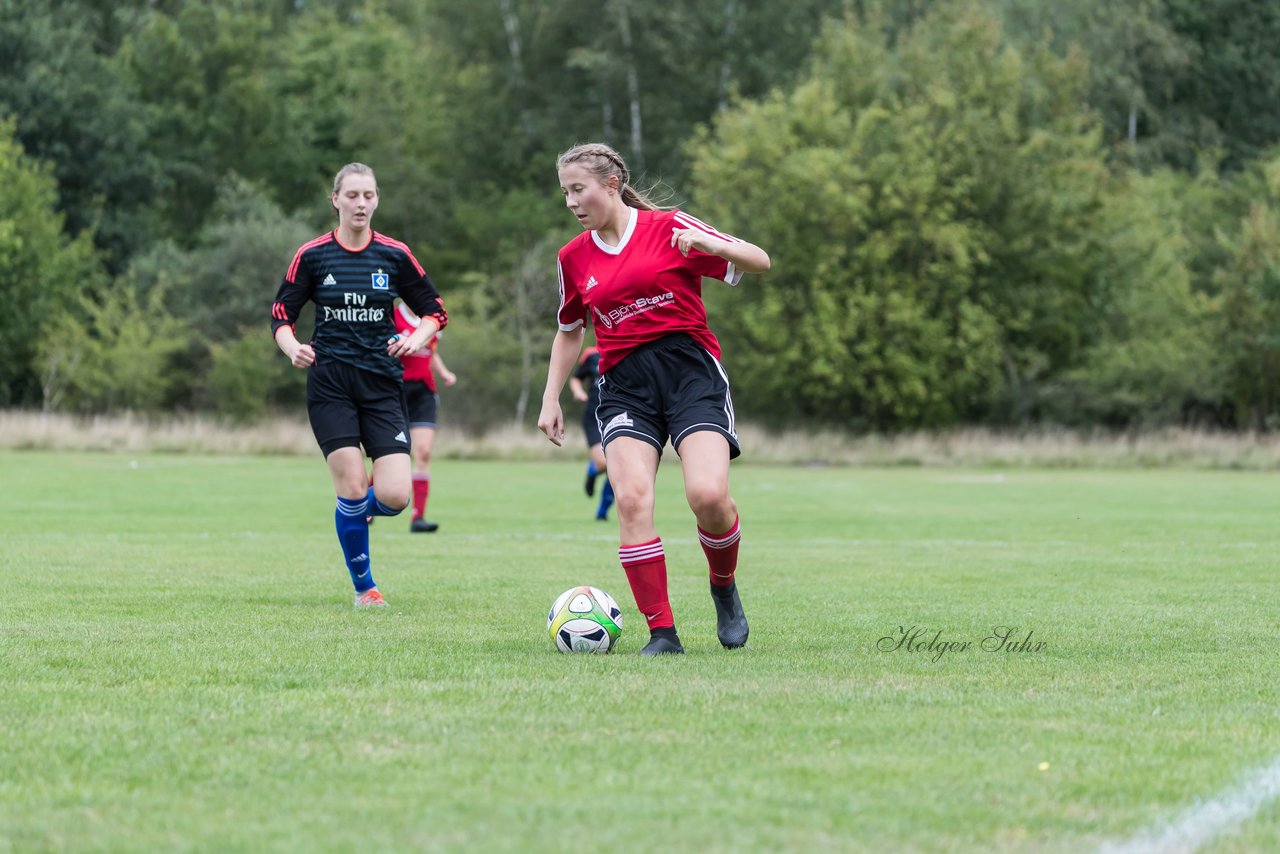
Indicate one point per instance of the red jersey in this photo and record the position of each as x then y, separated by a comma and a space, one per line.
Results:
417, 366
642, 289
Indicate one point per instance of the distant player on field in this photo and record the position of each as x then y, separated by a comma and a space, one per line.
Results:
636, 271
583, 384
355, 394
420, 372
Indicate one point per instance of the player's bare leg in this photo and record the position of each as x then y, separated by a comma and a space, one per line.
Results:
704, 458
354, 497
633, 468
424, 439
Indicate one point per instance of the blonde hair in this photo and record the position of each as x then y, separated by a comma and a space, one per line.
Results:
351, 169
602, 161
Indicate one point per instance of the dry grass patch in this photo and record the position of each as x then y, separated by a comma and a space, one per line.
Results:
963, 448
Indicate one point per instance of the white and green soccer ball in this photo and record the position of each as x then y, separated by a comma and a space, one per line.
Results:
584, 619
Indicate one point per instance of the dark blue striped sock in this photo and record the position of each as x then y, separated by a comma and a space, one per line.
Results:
606, 501
377, 508
353, 534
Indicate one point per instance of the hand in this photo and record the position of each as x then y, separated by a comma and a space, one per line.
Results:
400, 346
303, 357
580, 395
684, 239
551, 422
449, 377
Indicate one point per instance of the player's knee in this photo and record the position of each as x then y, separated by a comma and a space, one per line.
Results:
710, 500
393, 498
633, 503
352, 487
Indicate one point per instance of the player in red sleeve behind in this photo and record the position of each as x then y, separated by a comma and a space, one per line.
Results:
584, 383
637, 271
355, 393
420, 371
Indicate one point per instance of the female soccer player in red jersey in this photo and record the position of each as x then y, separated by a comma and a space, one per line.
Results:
355, 393
636, 271
420, 372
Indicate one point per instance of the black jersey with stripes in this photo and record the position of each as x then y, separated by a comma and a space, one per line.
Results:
354, 291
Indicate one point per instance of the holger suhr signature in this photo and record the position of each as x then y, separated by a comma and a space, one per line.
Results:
1009, 639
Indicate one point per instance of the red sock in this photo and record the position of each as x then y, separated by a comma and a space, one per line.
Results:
722, 553
421, 488
646, 568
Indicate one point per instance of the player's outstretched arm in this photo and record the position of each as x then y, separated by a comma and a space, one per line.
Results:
442, 371
564, 355
747, 257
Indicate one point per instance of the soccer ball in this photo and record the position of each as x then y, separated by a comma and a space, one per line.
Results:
584, 619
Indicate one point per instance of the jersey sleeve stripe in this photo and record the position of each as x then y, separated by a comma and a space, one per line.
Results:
581, 321
560, 281
297, 258
403, 247
687, 221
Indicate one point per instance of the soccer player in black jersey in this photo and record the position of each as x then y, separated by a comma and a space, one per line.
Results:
355, 394
584, 384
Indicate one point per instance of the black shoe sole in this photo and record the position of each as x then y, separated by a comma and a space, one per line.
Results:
662, 646
731, 623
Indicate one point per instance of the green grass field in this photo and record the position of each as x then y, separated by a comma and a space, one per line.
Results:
182, 668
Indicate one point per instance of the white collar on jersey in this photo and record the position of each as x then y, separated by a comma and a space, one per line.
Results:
626, 236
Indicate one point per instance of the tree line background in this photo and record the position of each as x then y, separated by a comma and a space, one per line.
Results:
1002, 213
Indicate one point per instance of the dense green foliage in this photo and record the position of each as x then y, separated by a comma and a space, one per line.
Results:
1007, 213
41, 269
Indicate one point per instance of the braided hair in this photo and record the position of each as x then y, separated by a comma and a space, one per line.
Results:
602, 161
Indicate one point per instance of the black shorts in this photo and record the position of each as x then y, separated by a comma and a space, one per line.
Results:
591, 424
423, 403
349, 407
667, 390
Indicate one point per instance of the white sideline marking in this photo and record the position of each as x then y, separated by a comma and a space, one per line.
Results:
973, 478
1206, 820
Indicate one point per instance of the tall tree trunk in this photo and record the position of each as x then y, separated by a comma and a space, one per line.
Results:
511, 24
633, 87
1133, 118
731, 9
523, 324
532, 285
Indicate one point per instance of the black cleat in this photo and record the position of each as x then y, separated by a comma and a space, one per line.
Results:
422, 526
663, 644
731, 623
590, 485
